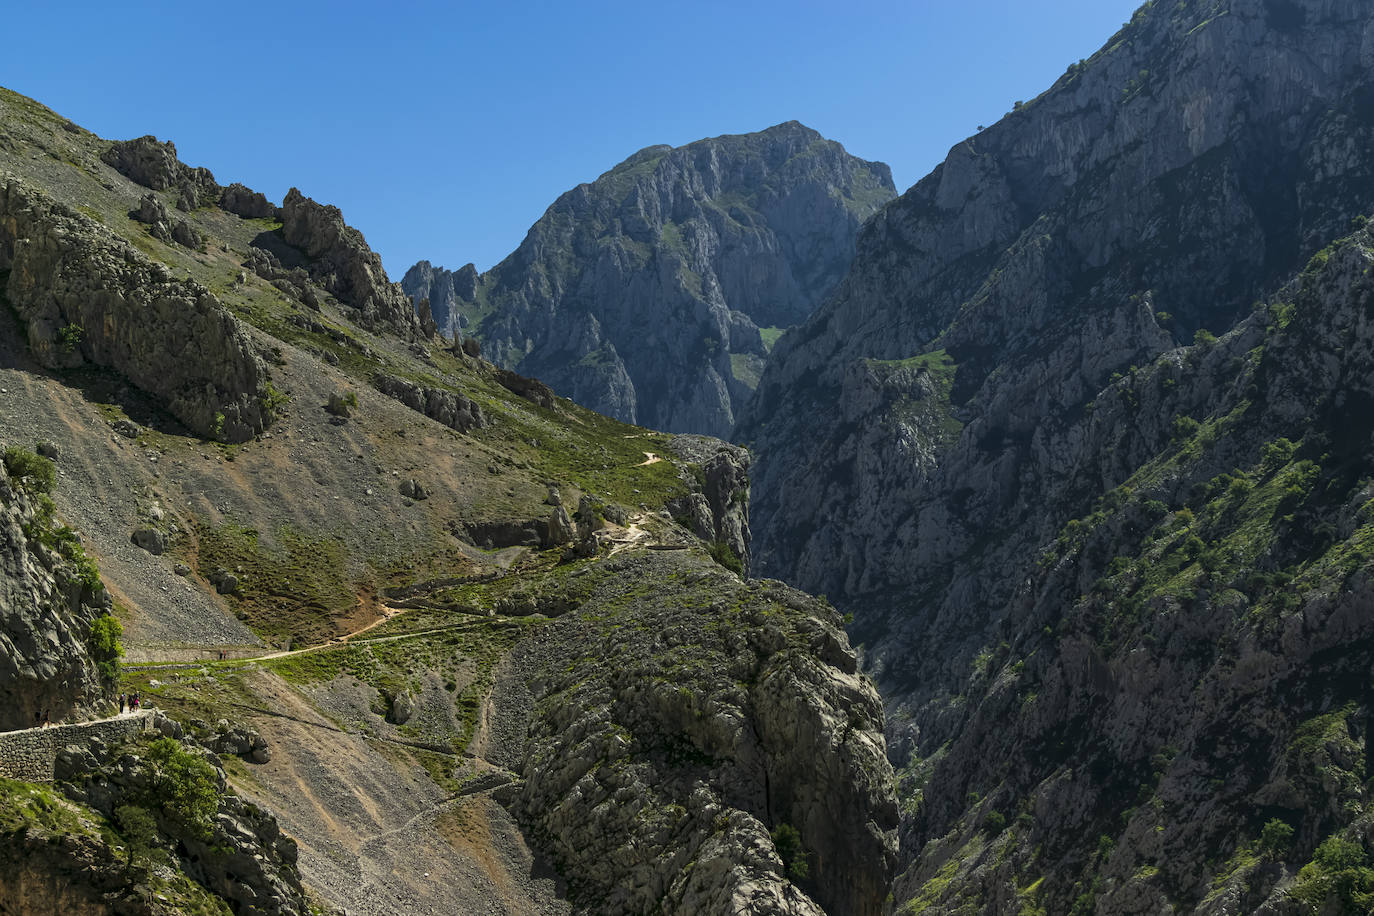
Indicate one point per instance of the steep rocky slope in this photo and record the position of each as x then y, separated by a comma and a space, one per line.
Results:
1002, 356
1186, 664
381, 550
50, 598
642, 294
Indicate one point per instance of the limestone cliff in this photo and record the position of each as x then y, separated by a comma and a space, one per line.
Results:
87, 297
338, 258
50, 596
642, 294
976, 389
676, 724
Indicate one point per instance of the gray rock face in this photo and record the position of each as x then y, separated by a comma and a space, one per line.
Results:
446, 407
244, 201
976, 385
244, 858
339, 260
151, 540
447, 292
718, 506
656, 767
641, 294
1185, 655
86, 297
152, 210
46, 613
1087, 232
155, 165
241, 741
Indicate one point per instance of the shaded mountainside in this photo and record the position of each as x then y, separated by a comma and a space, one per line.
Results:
416, 562
1186, 665
979, 382
643, 294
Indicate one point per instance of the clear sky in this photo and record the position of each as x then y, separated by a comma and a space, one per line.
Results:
443, 130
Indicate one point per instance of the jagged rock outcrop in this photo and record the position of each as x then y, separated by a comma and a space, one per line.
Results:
974, 387
245, 202
86, 297
1185, 657
238, 852
155, 165
448, 291
660, 747
441, 405
531, 389
48, 604
338, 259
903, 435
717, 508
641, 294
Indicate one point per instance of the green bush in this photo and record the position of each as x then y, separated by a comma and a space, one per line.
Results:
105, 645
1184, 427
1275, 838
1339, 874
69, 338
725, 555
787, 841
184, 787
34, 473
140, 831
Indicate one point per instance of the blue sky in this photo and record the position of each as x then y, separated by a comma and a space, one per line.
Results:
443, 130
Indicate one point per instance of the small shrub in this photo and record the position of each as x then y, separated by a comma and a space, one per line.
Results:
1185, 427
995, 823
273, 400
140, 831
1336, 853
1275, 838
787, 841
34, 473
106, 648
69, 338
184, 786
342, 405
725, 555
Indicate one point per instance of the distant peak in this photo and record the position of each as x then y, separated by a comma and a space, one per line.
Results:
649, 152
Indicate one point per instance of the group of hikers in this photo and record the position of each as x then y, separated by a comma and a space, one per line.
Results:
130, 702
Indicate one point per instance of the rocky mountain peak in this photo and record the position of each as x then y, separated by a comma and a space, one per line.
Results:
654, 293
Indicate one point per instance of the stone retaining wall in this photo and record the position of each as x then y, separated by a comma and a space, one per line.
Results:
30, 754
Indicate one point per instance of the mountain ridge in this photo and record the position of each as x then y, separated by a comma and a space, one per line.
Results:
641, 293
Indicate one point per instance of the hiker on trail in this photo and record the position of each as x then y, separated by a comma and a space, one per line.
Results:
46, 721
123, 700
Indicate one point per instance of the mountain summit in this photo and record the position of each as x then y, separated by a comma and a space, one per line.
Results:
654, 293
